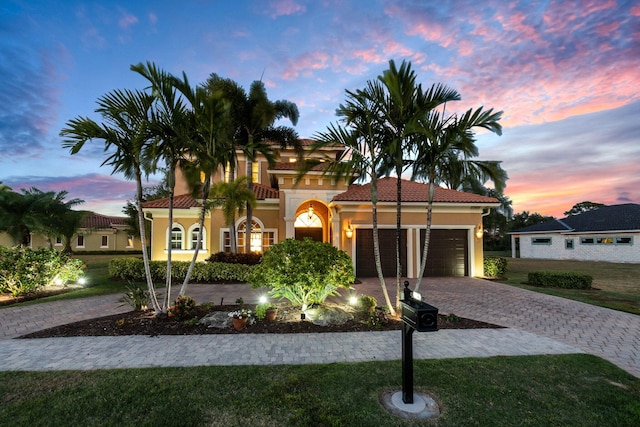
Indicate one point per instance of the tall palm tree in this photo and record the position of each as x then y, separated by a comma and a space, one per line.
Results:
403, 104
360, 159
171, 123
125, 133
254, 117
208, 153
233, 197
443, 148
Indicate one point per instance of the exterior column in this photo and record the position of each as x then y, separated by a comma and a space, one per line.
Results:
290, 232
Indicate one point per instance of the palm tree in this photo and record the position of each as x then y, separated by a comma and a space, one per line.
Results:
34, 211
233, 197
171, 123
403, 103
362, 157
254, 116
443, 148
124, 129
209, 151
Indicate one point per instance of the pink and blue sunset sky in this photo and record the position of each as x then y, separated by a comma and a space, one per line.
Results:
565, 73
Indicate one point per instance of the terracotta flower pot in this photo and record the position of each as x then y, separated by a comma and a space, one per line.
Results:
270, 315
239, 322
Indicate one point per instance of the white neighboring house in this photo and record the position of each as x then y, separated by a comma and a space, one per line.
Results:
610, 233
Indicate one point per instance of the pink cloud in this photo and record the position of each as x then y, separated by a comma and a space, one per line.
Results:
285, 7
305, 63
127, 20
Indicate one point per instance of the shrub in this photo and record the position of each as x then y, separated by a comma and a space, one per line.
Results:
367, 303
303, 272
182, 307
203, 272
23, 270
137, 297
495, 267
559, 279
251, 258
261, 309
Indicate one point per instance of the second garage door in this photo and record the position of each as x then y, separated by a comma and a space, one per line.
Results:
447, 255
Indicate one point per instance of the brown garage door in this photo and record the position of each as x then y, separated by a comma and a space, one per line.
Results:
448, 253
365, 262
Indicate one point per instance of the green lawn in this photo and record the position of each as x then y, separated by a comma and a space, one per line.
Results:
615, 286
569, 390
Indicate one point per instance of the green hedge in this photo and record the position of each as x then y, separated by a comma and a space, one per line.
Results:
559, 279
495, 267
204, 272
23, 270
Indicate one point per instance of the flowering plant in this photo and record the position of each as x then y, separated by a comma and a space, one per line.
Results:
182, 307
240, 314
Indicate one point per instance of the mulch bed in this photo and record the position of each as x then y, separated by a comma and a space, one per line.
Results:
287, 322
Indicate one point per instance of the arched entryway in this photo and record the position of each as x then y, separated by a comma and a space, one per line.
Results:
311, 220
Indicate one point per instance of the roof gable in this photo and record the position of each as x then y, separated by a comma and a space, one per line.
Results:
411, 192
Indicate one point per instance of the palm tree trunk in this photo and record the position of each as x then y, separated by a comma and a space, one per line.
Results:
143, 240
398, 240
203, 211
249, 228
167, 290
376, 244
427, 235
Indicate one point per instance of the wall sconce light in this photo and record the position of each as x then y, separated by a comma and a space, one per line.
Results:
348, 231
479, 231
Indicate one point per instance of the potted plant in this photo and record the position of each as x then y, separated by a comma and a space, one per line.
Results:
240, 318
267, 311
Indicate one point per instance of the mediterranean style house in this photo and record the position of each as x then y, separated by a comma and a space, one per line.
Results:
330, 210
97, 233
610, 233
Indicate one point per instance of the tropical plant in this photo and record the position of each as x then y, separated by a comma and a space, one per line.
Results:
254, 116
136, 297
170, 124
36, 211
232, 197
443, 147
303, 272
363, 154
126, 136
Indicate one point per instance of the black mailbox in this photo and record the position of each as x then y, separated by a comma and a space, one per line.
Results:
419, 315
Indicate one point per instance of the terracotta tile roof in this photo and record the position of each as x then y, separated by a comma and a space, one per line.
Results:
265, 192
95, 220
411, 192
185, 201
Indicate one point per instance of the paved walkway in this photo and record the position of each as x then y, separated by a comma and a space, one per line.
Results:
537, 324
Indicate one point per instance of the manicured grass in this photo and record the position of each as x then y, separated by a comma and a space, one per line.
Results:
614, 285
568, 390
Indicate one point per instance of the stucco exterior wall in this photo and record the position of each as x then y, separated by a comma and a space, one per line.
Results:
622, 253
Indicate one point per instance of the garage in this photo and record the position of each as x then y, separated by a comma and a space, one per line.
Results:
448, 253
365, 261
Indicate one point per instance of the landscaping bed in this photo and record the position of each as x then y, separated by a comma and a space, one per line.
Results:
288, 321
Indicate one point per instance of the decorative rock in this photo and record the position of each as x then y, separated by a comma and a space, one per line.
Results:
217, 319
324, 316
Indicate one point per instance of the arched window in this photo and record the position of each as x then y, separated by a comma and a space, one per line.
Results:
193, 237
261, 238
176, 237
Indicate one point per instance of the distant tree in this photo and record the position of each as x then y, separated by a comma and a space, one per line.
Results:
525, 219
582, 207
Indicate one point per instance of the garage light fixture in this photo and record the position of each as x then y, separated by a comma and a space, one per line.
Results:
479, 231
348, 231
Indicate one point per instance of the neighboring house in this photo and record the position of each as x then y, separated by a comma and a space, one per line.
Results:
329, 210
610, 233
98, 233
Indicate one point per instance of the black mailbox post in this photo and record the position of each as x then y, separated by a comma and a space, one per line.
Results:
416, 316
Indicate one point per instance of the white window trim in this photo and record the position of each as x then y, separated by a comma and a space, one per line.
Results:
101, 238
191, 239
169, 240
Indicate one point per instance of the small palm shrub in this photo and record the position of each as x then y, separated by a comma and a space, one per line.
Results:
137, 297
303, 272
